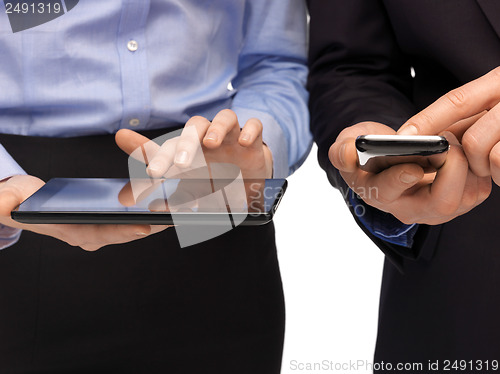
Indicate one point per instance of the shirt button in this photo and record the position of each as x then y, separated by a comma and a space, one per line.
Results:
132, 46
134, 122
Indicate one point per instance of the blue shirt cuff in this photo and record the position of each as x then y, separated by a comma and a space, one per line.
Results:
272, 135
8, 236
381, 224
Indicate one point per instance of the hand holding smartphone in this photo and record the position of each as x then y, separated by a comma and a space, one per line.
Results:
379, 152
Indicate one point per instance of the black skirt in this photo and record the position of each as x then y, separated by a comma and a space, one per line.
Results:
143, 307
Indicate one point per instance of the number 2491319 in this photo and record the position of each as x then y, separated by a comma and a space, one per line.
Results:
33, 8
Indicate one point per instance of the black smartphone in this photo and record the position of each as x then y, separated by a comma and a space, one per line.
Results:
148, 201
379, 152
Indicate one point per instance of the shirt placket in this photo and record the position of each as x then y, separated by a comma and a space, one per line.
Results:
131, 45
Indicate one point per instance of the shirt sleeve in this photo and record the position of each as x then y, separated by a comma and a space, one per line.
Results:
8, 167
271, 80
8, 236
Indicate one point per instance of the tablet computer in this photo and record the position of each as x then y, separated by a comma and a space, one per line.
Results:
152, 201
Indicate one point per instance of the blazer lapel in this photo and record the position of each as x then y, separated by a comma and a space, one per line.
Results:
491, 9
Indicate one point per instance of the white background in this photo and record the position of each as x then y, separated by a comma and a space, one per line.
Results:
331, 276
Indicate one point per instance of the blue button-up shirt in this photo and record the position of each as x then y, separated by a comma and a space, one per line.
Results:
148, 64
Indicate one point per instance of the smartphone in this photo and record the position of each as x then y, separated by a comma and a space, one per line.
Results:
144, 201
379, 152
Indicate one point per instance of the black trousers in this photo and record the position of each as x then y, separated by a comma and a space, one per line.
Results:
444, 311
143, 307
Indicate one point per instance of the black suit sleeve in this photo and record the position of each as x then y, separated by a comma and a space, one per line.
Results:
357, 73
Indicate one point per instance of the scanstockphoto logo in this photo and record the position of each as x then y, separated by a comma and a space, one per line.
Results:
26, 14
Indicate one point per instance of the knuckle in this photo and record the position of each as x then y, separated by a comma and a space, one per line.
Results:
192, 126
331, 154
227, 113
187, 144
68, 239
483, 189
9, 189
470, 197
194, 120
476, 155
425, 118
494, 116
383, 199
172, 142
495, 156
72, 242
90, 247
163, 152
496, 179
257, 123
405, 218
496, 73
225, 118
446, 207
458, 99
470, 142
390, 192
373, 203
408, 220
343, 134
216, 126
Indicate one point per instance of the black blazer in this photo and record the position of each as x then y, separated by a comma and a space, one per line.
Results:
441, 300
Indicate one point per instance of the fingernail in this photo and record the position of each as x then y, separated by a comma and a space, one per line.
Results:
153, 173
408, 130
408, 178
245, 137
342, 154
212, 136
181, 157
154, 166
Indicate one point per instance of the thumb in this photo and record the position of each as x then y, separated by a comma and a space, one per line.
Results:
343, 155
15, 190
9, 200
